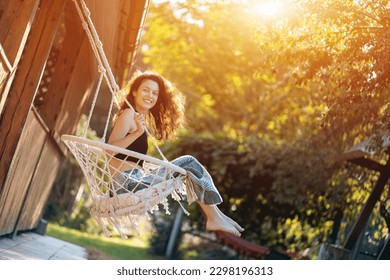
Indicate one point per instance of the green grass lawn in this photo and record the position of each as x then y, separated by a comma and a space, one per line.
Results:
134, 248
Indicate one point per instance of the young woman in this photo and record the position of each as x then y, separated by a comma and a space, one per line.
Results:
158, 103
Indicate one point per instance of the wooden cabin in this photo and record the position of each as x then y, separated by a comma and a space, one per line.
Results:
47, 73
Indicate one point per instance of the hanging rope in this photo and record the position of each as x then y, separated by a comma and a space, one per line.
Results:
120, 197
93, 104
104, 66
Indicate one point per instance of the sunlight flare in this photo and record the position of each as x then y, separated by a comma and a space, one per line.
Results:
269, 8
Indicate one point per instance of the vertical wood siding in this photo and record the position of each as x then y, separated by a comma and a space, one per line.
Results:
26, 81
21, 172
40, 187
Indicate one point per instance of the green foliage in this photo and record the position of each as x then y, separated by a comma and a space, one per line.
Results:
338, 49
272, 100
257, 192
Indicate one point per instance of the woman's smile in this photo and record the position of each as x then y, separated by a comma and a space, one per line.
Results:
146, 96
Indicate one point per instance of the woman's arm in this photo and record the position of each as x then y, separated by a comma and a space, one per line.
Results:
127, 128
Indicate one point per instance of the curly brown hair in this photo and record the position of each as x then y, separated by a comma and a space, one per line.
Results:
168, 113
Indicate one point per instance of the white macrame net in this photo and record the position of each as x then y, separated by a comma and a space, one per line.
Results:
112, 203
152, 180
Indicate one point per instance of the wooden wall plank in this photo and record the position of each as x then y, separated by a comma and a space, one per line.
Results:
77, 92
40, 187
54, 98
3, 4
25, 160
105, 14
26, 81
128, 37
15, 21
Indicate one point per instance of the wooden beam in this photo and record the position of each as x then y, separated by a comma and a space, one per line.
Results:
54, 98
26, 81
77, 93
367, 163
15, 26
369, 206
128, 36
16, 22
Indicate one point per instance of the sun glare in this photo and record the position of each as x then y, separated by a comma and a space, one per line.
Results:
269, 9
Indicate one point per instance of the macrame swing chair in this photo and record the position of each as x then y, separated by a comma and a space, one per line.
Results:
113, 204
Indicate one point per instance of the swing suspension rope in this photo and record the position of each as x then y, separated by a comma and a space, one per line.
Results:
104, 70
120, 198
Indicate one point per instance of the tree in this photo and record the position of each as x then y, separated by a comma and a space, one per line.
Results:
343, 47
258, 90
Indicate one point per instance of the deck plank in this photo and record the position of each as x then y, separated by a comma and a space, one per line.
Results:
32, 246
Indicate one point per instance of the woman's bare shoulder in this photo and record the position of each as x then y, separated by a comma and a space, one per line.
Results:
125, 117
127, 111
126, 114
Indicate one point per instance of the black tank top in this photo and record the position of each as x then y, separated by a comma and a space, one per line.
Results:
140, 145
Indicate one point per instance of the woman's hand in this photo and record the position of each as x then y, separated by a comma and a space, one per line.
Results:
140, 123
127, 128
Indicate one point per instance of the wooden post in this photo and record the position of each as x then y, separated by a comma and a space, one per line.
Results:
16, 23
26, 81
169, 252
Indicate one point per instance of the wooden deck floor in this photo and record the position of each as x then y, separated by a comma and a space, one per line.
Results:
32, 246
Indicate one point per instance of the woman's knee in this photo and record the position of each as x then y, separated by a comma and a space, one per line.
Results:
187, 161
186, 158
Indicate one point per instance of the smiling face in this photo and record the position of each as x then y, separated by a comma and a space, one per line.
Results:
146, 96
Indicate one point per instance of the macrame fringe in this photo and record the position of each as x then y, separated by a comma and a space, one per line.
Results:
190, 189
120, 212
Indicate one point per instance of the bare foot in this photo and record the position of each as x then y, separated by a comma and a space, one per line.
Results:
215, 226
230, 220
216, 220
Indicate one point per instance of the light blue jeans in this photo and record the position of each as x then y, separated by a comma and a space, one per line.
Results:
198, 181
